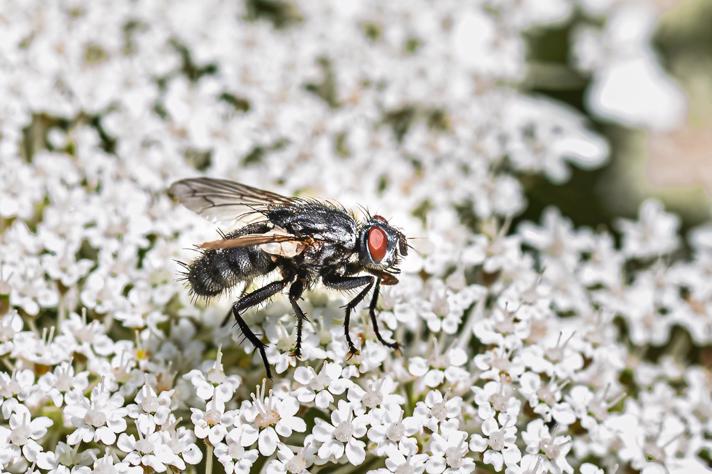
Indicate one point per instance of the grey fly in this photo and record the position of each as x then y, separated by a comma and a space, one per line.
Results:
303, 240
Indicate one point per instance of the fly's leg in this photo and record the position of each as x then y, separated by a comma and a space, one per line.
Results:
349, 283
374, 322
252, 299
295, 292
229, 313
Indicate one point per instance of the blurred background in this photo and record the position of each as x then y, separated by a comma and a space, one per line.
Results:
664, 148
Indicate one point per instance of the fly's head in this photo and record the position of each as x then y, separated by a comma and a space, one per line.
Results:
381, 246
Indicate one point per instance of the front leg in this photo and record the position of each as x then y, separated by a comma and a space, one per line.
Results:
340, 282
372, 314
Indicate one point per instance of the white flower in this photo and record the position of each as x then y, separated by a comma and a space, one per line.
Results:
427, 108
215, 383
653, 235
377, 392
555, 448
213, 423
294, 462
437, 412
64, 456
98, 418
342, 435
233, 455
397, 462
23, 436
392, 432
555, 239
10, 325
446, 306
107, 465
546, 398
496, 397
439, 366
479, 40
561, 359
181, 442
627, 77
62, 380
269, 417
87, 338
448, 453
320, 388
148, 451
18, 384
545, 135
592, 408
498, 361
498, 442
150, 409
588, 468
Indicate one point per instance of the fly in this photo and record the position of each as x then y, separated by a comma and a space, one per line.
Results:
304, 241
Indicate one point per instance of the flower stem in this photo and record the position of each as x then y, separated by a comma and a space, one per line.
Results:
62, 309
466, 332
209, 459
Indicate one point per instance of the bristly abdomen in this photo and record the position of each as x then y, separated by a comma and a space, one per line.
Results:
216, 271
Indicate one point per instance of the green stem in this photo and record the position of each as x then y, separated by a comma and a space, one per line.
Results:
62, 310
466, 332
7, 363
209, 459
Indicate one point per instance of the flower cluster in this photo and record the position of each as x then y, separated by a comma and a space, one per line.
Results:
533, 348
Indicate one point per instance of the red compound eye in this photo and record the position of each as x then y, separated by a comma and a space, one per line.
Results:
377, 243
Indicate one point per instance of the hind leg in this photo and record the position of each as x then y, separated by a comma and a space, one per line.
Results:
253, 299
229, 313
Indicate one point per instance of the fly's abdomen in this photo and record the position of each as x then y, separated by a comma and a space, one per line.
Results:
216, 271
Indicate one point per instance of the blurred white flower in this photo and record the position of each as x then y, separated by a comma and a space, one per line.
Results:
629, 84
653, 235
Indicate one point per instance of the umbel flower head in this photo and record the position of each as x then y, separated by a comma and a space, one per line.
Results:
527, 346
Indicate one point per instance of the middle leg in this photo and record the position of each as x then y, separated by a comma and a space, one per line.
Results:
349, 283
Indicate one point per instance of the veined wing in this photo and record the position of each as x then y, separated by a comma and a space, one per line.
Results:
285, 245
225, 200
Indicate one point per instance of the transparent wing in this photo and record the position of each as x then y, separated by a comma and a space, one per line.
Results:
222, 200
